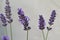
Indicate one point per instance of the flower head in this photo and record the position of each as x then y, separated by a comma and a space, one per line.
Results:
41, 22
5, 38
3, 19
23, 19
52, 18
8, 12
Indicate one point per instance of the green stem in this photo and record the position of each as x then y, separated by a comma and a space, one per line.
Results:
11, 31
6, 30
27, 34
47, 35
43, 34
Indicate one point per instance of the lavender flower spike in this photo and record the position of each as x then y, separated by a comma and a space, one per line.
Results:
41, 22
23, 19
5, 38
3, 19
8, 11
52, 18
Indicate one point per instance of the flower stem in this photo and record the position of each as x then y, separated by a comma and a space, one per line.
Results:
27, 34
6, 30
47, 35
43, 34
11, 31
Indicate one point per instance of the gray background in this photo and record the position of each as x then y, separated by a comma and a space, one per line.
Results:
32, 9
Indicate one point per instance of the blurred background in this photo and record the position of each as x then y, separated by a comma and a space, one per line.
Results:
32, 9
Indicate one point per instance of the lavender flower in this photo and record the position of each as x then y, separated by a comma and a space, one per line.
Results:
23, 19
3, 19
5, 38
8, 12
52, 18
41, 22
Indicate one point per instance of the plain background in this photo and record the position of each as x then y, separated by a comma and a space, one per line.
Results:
32, 9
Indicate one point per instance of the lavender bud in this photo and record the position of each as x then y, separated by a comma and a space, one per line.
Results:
5, 38
3, 19
41, 22
20, 12
52, 18
8, 12
23, 19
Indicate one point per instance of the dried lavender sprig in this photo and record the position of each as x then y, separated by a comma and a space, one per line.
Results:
23, 19
8, 16
42, 25
41, 22
52, 18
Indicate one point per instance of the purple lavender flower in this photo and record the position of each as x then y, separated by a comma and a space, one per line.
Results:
5, 38
52, 18
8, 12
41, 22
3, 19
23, 19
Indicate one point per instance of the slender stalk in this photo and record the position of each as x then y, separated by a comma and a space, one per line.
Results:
27, 34
6, 30
43, 34
47, 35
11, 31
